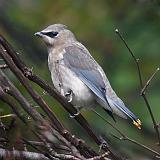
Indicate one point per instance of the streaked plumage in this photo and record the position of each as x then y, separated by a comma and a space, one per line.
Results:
74, 70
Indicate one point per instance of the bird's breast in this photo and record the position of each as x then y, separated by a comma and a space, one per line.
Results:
64, 80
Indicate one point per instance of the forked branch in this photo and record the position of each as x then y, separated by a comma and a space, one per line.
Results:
143, 88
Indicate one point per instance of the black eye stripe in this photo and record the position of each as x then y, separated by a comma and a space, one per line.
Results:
51, 34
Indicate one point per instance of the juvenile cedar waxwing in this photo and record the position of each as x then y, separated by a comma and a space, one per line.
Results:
77, 76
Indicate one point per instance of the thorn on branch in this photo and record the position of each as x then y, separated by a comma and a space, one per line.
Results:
3, 66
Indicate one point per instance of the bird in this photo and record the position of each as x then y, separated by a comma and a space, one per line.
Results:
77, 76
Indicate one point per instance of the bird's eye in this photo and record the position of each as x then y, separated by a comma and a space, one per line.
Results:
51, 34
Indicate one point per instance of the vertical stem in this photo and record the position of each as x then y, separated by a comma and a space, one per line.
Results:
141, 84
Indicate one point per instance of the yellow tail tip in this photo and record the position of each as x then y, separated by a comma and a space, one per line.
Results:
137, 123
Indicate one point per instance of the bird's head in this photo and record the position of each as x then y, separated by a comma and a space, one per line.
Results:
55, 35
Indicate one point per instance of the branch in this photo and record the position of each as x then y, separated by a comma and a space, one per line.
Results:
53, 154
30, 90
43, 125
102, 157
148, 82
125, 137
55, 146
141, 85
6, 154
5, 98
136, 60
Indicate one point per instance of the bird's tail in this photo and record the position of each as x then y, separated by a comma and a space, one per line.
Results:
128, 113
118, 107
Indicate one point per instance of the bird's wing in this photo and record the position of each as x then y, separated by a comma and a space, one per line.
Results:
85, 67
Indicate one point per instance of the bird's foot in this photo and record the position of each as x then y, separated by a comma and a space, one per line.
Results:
69, 95
101, 146
75, 114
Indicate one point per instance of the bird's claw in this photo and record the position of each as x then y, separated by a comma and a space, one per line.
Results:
70, 100
101, 146
75, 114
69, 96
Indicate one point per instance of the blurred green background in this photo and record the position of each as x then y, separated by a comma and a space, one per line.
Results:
94, 23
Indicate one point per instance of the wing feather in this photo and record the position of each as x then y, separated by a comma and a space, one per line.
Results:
85, 67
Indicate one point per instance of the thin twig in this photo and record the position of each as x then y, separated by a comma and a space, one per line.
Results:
101, 157
137, 143
148, 82
141, 84
121, 133
125, 137
136, 60
37, 149
5, 98
8, 115
56, 146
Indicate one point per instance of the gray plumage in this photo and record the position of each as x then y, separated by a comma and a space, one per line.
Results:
75, 73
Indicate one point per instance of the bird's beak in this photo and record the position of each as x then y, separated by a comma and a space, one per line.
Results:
39, 34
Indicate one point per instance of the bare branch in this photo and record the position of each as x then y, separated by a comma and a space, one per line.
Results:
136, 60
141, 84
5, 98
39, 143
103, 156
148, 82
43, 125
5, 154
29, 88
125, 137
138, 144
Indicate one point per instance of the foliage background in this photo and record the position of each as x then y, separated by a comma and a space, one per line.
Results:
94, 23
